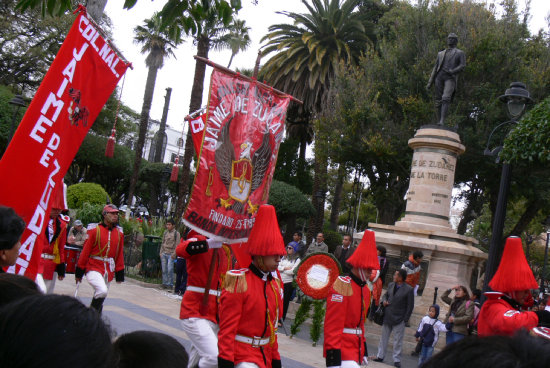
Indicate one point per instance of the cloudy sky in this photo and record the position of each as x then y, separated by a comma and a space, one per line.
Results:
178, 73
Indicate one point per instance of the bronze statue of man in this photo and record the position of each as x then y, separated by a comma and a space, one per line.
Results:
449, 63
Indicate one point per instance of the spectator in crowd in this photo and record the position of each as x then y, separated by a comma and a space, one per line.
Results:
77, 235
412, 266
343, 252
476, 299
344, 327
181, 276
148, 349
170, 240
297, 237
399, 303
384, 265
286, 269
249, 304
521, 350
501, 313
318, 245
54, 238
102, 256
13, 287
11, 229
50, 331
428, 332
199, 314
460, 313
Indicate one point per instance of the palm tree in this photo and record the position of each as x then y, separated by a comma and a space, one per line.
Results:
212, 35
157, 42
308, 53
237, 39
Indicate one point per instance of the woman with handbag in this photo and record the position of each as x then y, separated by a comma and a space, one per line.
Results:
286, 267
460, 313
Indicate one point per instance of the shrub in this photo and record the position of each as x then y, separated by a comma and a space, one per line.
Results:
89, 213
332, 239
81, 193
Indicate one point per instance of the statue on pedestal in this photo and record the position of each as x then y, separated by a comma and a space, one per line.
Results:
449, 63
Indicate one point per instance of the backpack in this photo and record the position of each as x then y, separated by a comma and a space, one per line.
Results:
428, 334
472, 326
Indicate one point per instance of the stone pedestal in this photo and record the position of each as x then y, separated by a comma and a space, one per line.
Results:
450, 258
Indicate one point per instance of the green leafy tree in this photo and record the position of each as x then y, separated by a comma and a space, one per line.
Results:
8, 116
291, 204
308, 52
158, 44
81, 193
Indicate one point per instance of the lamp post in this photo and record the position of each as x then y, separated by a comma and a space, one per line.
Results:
515, 97
17, 102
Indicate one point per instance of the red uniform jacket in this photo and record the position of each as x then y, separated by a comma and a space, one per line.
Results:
245, 314
199, 257
499, 317
346, 312
104, 243
54, 247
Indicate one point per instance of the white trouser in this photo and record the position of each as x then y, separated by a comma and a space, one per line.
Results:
45, 286
204, 342
346, 364
246, 365
96, 280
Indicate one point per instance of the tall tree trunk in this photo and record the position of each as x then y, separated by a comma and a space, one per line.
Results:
318, 193
337, 201
159, 154
530, 212
143, 124
95, 8
203, 46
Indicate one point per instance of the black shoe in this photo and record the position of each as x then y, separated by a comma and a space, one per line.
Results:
378, 359
414, 353
397, 364
407, 324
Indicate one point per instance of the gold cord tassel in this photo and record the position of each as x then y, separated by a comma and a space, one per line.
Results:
235, 281
343, 286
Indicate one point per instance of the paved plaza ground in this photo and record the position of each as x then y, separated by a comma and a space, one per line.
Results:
135, 305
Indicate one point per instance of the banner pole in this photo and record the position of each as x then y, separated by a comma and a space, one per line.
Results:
229, 71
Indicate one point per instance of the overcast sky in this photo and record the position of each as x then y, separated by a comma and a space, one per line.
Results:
178, 73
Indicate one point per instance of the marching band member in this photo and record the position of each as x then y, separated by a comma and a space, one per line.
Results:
52, 262
252, 301
102, 257
199, 314
501, 314
347, 306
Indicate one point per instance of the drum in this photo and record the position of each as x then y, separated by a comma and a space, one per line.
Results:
71, 257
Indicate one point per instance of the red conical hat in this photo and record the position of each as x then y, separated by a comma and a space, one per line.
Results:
265, 238
59, 197
513, 273
365, 255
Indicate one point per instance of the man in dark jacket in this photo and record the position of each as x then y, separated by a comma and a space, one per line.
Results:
399, 303
343, 252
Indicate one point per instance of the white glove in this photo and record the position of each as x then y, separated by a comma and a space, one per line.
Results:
415, 290
213, 244
365, 361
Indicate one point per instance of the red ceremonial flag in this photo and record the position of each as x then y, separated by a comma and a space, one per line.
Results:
71, 95
244, 126
197, 131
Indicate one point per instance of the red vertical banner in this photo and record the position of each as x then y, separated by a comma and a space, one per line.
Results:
197, 131
245, 124
78, 83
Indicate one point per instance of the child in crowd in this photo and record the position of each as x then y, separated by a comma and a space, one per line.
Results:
428, 332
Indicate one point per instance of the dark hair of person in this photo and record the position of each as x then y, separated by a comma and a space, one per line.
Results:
299, 233
403, 273
170, 221
477, 293
520, 350
11, 227
148, 349
14, 287
466, 292
347, 235
51, 331
418, 254
382, 250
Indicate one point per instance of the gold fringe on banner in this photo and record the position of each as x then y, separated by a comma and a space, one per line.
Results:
342, 286
235, 281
